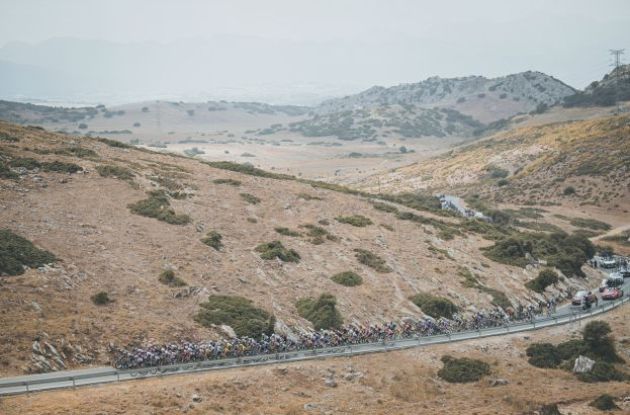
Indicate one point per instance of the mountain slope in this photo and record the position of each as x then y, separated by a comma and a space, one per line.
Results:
484, 99
94, 222
581, 163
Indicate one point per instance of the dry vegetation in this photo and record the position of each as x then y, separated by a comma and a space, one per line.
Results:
113, 237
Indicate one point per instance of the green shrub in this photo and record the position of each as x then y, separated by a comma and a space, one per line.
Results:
321, 312
565, 252
101, 298
17, 252
306, 196
8, 138
239, 313
596, 335
167, 277
543, 355
7, 173
318, 234
503, 182
569, 190
231, 182
113, 143
434, 306
287, 232
157, 206
571, 349
463, 370
60, 167
604, 402
603, 372
109, 170
76, 152
275, 249
355, 220
26, 162
385, 207
213, 239
250, 198
347, 278
544, 279
593, 224
374, 261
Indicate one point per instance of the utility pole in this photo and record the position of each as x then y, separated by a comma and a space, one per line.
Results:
617, 56
616, 53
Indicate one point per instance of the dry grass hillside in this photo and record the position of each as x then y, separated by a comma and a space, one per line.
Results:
87, 220
569, 168
404, 382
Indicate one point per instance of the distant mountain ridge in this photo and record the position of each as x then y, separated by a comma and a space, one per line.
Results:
485, 99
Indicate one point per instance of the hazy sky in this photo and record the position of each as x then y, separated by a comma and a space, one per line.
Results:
384, 42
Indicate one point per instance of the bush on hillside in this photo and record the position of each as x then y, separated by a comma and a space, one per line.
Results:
572, 349
463, 370
593, 224
322, 313
76, 152
544, 279
237, 312
167, 277
543, 355
568, 191
373, 261
604, 402
231, 182
119, 172
60, 167
101, 298
286, 231
318, 234
562, 251
213, 240
17, 252
347, 278
157, 206
8, 138
434, 306
113, 143
603, 372
251, 199
596, 335
25, 162
385, 207
307, 196
355, 220
7, 173
275, 249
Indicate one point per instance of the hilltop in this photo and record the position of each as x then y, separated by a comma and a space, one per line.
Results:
486, 100
116, 217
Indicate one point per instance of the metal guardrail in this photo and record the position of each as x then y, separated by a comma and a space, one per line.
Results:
56, 380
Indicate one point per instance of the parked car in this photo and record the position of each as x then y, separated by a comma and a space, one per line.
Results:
580, 296
603, 285
615, 279
612, 293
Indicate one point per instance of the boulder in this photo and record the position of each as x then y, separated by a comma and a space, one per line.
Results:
583, 365
498, 382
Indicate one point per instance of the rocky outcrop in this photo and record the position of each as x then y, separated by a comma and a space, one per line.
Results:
583, 365
45, 357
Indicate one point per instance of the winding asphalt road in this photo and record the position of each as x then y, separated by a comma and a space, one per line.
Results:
74, 378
